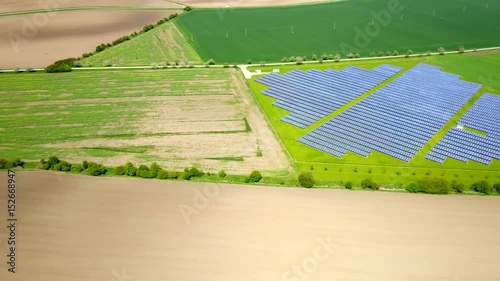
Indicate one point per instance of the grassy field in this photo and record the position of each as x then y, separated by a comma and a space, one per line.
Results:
382, 168
164, 43
177, 118
269, 34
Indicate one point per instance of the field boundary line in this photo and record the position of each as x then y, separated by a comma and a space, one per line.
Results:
85, 8
244, 67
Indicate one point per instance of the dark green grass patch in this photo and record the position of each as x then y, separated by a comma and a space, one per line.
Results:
270, 33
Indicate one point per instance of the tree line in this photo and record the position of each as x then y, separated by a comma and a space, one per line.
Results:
337, 57
152, 171
427, 185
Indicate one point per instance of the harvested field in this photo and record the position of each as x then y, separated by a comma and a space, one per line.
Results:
60, 35
14, 5
83, 228
178, 118
240, 3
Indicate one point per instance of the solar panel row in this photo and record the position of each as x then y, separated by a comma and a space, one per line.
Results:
465, 145
311, 95
398, 119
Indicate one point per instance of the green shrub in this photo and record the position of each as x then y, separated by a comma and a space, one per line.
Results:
497, 187
433, 185
130, 170
76, 169
306, 180
19, 163
413, 188
222, 174
457, 186
167, 174
120, 171
95, 170
65, 166
369, 184
65, 65
143, 172
57, 167
9, 165
482, 187
154, 169
255, 176
348, 185
6, 164
50, 163
85, 165
191, 173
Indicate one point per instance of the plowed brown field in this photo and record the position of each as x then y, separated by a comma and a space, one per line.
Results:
81, 228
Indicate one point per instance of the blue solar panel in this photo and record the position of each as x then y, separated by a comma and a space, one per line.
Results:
465, 145
311, 95
398, 119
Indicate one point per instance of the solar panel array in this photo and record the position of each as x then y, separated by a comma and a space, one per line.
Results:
465, 145
398, 119
311, 95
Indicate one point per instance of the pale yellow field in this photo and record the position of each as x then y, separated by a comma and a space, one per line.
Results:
82, 228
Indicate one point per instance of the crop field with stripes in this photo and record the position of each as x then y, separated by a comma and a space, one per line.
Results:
177, 118
271, 33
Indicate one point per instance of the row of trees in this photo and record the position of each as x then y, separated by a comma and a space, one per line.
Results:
441, 186
424, 185
337, 57
9, 164
148, 172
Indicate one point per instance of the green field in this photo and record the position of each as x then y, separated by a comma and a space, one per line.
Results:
162, 44
330, 170
268, 34
40, 111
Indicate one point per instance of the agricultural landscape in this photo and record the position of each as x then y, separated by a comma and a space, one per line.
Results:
250, 123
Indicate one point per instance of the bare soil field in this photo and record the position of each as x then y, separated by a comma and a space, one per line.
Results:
15, 5
81, 228
38, 40
241, 3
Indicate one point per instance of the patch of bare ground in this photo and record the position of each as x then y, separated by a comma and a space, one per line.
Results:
59, 35
15, 5
85, 228
480, 53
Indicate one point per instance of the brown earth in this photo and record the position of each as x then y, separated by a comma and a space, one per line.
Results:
37, 40
16, 5
81, 228
241, 3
